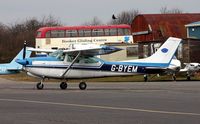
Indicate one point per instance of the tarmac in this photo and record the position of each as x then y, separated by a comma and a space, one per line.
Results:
166, 102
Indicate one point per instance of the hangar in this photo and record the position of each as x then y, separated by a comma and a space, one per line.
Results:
150, 30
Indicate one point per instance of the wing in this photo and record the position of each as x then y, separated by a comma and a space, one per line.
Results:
41, 50
86, 49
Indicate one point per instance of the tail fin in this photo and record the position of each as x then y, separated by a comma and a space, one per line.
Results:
164, 55
20, 56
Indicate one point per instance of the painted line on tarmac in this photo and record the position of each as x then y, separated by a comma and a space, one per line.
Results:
104, 107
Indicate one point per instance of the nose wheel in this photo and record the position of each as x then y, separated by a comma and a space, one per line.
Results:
40, 86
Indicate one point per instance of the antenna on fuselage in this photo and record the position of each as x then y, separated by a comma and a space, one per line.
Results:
24, 50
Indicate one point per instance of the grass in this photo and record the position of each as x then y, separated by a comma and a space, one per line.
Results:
136, 78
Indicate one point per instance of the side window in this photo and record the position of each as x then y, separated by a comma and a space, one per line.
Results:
58, 33
38, 34
113, 32
71, 33
127, 31
107, 32
121, 31
48, 34
81, 33
97, 32
87, 33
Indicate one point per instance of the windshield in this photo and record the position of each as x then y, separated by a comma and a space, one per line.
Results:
58, 55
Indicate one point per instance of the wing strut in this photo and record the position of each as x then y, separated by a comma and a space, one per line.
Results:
62, 76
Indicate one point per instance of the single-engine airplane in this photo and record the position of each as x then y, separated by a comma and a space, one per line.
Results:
190, 69
82, 63
13, 67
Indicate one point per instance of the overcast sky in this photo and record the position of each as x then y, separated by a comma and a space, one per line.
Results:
77, 12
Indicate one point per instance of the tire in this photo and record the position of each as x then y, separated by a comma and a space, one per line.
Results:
63, 85
145, 78
40, 86
188, 78
82, 85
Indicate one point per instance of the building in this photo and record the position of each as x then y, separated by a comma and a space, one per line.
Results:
151, 30
192, 45
193, 30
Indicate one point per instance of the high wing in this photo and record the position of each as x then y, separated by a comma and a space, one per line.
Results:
84, 49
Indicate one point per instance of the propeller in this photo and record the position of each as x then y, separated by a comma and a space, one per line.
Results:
24, 50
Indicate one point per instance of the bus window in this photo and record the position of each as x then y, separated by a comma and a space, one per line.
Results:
113, 32
120, 31
38, 34
97, 32
127, 32
71, 33
80, 33
58, 33
87, 33
107, 32
48, 34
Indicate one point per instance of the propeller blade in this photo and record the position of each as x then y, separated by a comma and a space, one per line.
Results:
24, 50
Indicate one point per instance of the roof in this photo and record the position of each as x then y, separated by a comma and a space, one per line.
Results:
83, 27
162, 26
194, 24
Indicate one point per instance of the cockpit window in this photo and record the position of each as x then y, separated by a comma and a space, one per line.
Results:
58, 55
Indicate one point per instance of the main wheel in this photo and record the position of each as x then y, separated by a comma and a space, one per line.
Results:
82, 85
188, 78
63, 85
145, 78
40, 86
174, 77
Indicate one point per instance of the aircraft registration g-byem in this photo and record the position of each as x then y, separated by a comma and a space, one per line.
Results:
81, 63
13, 67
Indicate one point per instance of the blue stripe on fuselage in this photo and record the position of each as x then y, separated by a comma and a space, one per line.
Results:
121, 68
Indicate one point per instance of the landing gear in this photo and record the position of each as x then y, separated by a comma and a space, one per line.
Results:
82, 85
174, 77
40, 86
63, 85
145, 78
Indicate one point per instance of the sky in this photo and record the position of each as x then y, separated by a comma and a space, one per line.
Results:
77, 12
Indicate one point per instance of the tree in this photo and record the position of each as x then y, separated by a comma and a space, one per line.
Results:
125, 17
94, 21
12, 37
165, 10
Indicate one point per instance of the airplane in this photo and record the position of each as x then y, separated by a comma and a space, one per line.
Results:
81, 63
190, 69
13, 67
173, 68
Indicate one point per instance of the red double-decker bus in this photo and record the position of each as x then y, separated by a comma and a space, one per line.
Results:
62, 37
